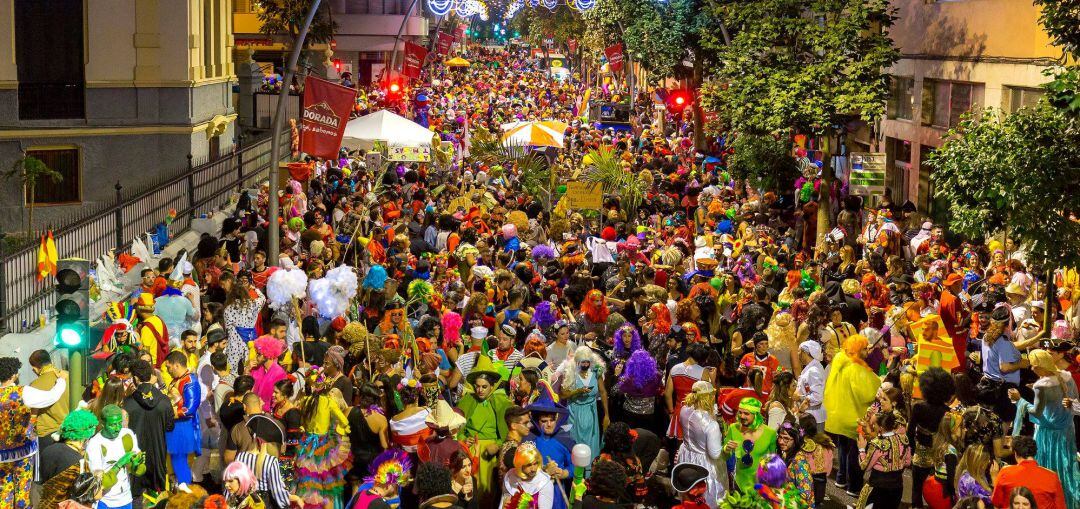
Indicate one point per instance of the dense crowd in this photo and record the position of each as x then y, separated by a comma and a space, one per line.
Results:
439, 336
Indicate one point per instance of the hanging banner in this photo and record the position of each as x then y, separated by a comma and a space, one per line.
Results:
459, 32
571, 44
414, 60
443, 42
615, 57
326, 110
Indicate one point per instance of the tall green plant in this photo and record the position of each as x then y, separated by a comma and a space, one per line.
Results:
31, 171
605, 168
280, 17
764, 160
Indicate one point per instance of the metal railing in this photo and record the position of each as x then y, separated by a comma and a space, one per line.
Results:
200, 187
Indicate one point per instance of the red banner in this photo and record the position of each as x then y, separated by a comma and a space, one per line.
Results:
326, 111
571, 44
459, 32
443, 42
614, 57
414, 60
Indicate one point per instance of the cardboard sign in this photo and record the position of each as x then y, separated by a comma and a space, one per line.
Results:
419, 154
414, 60
582, 195
867, 176
326, 110
615, 57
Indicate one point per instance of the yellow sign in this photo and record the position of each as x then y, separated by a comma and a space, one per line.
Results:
582, 195
421, 154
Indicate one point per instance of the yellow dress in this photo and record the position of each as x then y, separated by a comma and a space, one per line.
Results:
324, 455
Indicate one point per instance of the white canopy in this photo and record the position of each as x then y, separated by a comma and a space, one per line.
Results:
395, 130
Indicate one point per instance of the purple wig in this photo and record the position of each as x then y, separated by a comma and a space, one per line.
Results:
621, 352
640, 378
543, 252
772, 471
544, 315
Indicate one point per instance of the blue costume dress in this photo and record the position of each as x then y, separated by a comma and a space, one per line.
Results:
185, 437
584, 416
1055, 437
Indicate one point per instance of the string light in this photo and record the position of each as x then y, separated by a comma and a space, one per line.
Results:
440, 7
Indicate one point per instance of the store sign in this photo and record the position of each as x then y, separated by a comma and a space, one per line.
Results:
615, 57
326, 110
867, 176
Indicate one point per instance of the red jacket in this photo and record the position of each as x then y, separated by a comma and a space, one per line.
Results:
1043, 483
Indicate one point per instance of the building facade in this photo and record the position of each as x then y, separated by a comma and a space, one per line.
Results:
110, 90
957, 55
366, 34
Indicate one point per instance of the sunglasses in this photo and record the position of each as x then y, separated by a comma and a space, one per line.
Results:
747, 459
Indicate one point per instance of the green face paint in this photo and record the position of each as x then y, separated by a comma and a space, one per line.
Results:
113, 425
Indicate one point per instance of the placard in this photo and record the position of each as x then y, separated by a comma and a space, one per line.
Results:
582, 195
615, 57
867, 176
418, 154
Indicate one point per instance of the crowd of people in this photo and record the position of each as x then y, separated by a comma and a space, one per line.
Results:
440, 336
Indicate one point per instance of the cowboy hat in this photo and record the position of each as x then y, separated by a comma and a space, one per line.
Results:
443, 416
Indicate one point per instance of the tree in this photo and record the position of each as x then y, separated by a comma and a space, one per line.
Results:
604, 167
30, 171
1060, 19
763, 160
287, 17
804, 66
1020, 171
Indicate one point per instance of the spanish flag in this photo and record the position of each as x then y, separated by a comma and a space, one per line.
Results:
47, 257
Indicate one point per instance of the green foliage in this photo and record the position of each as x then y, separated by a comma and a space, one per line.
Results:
605, 168
740, 500
288, 16
657, 34
1021, 168
533, 171
1063, 90
762, 159
31, 171
801, 64
1061, 19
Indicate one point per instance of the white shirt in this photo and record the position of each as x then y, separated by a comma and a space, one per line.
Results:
812, 387
540, 487
101, 454
37, 398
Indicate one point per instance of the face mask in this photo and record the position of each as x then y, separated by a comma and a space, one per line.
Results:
113, 425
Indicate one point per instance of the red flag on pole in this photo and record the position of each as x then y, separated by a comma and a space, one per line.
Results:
571, 44
414, 60
615, 57
326, 111
443, 42
459, 32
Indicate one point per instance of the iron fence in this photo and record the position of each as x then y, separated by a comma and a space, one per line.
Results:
201, 187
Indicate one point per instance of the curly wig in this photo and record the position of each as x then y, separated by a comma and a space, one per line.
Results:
937, 386
661, 318
617, 440
621, 351
9, 367
608, 479
595, 312
79, 425
544, 315
640, 377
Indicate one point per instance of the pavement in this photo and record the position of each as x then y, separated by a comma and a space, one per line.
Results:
836, 498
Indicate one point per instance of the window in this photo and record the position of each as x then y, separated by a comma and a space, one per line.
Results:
1014, 98
66, 162
901, 97
944, 102
49, 56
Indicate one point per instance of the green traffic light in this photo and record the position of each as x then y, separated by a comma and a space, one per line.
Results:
70, 337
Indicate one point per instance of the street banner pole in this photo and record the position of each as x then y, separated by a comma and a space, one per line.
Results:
274, 237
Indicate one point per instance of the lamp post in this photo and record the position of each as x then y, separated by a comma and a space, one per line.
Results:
274, 237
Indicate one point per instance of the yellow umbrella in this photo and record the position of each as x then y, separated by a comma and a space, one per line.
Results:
457, 62
548, 133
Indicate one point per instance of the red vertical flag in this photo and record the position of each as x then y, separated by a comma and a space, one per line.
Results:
326, 111
571, 44
459, 32
414, 60
443, 42
615, 57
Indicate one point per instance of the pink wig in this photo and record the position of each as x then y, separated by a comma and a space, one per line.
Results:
269, 346
451, 328
241, 473
509, 231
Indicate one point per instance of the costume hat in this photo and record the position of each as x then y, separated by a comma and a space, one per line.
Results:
547, 402
687, 475
443, 416
483, 366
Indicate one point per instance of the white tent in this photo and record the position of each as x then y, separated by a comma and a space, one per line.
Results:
395, 130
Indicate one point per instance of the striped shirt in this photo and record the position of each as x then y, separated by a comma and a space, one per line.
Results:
269, 479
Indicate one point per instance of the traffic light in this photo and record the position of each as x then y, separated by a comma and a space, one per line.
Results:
72, 304
678, 100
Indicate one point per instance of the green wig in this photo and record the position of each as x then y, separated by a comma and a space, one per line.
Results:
79, 425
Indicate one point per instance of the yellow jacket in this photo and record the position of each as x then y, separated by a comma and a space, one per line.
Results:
849, 391
328, 413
